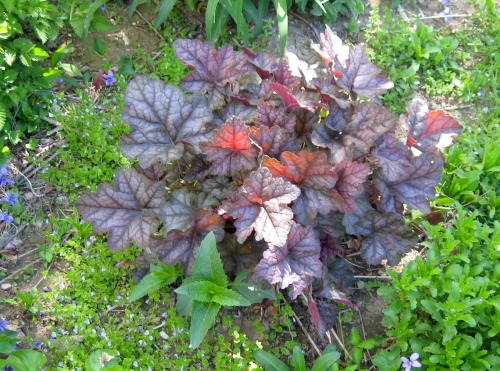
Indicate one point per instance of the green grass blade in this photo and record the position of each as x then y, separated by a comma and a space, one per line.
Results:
282, 17
269, 362
164, 9
210, 18
299, 362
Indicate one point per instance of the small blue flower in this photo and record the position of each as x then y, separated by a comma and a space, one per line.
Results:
6, 217
103, 9
8, 368
3, 325
10, 197
4, 180
109, 78
412, 362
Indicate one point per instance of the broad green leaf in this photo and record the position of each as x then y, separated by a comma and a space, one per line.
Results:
369, 343
71, 69
8, 339
325, 361
207, 291
60, 53
101, 24
355, 338
251, 291
100, 46
299, 362
269, 362
202, 319
38, 54
26, 360
208, 264
161, 275
102, 359
164, 8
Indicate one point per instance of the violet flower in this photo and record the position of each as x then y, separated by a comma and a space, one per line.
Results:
4, 216
3, 325
412, 362
10, 197
4, 180
108, 78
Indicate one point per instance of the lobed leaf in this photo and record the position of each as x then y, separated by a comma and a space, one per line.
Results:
352, 176
360, 76
162, 122
415, 188
214, 69
315, 176
261, 206
230, 151
127, 211
181, 246
294, 263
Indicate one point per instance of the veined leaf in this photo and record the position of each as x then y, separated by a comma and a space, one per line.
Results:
160, 276
208, 264
202, 319
207, 292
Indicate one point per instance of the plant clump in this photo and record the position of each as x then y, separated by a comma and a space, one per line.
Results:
284, 171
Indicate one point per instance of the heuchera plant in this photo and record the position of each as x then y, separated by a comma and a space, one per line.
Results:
283, 170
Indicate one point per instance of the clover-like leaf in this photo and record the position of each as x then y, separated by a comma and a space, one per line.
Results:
162, 121
361, 76
214, 69
294, 263
315, 175
260, 205
230, 151
415, 188
128, 211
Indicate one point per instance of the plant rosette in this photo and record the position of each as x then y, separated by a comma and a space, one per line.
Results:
283, 171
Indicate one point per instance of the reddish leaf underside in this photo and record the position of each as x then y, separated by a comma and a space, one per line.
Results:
290, 99
261, 206
128, 211
294, 263
230, 151
162, 122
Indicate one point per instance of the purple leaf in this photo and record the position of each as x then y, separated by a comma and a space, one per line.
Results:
274, 140
230, 151
389, 240
293, 99
393, 158
352, 176
261, 206
323, 314
361, 76
270, 116
214, 70
430, 131
178, 211
315, 175
331, 47
293, 263
181, 246
162, 122
127, 211
414, 188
